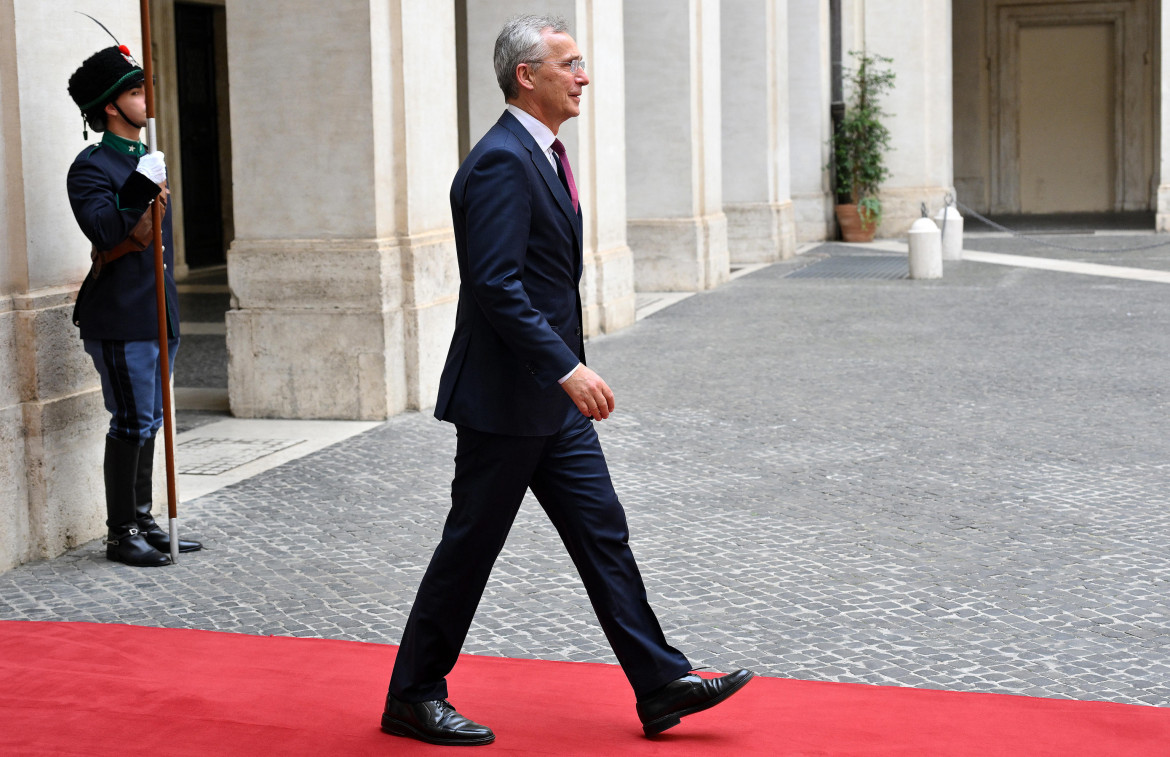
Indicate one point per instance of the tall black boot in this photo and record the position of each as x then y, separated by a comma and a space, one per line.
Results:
143, 502
123, 542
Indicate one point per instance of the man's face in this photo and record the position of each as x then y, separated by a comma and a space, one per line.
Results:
556, 92
133, 104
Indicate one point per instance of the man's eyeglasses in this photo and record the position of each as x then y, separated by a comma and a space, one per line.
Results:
575, 65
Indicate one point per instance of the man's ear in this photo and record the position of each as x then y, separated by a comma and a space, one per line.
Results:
110, 109
525, 75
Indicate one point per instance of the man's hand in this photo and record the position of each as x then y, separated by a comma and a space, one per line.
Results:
589, 393
153, 166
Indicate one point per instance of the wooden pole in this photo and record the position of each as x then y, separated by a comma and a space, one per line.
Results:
164, 356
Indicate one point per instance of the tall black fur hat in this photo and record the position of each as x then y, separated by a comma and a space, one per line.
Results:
104, 75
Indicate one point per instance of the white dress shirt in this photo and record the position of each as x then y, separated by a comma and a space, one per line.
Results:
544, 139
541, 133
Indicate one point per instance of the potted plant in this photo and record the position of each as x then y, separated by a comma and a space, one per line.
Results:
860, 142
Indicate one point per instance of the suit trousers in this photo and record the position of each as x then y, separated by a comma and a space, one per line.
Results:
569, 477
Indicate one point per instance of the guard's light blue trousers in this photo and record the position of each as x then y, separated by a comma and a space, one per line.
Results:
131, 385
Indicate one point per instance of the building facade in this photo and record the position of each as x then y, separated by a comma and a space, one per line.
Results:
312, 144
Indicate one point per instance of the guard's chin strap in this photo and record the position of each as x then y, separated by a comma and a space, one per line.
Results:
127, 120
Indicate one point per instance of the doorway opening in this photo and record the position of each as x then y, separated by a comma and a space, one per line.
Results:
1055, 110
204, 125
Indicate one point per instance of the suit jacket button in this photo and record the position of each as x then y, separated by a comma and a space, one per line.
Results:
578, 331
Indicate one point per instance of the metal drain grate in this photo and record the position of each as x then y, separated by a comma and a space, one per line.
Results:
855, 267
209, 456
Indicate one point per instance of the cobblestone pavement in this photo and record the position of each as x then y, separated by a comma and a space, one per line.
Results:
957, 484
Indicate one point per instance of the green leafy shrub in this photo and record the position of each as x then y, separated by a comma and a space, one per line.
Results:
861, 141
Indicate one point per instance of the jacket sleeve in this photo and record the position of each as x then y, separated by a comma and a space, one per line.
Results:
498, 208
105, 213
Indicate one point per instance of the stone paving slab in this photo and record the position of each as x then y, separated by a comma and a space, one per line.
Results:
956, 484
1114, 249
211, 456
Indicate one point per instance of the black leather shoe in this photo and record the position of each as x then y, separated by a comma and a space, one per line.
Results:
435, 722
684, 696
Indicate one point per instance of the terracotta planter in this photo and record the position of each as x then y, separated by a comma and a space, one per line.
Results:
853, 229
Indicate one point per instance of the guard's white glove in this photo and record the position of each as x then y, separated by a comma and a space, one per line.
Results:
151, 166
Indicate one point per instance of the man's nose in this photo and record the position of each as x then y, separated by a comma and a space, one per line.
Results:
582, 77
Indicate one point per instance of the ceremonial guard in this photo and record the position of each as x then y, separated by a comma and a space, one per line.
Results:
111, 187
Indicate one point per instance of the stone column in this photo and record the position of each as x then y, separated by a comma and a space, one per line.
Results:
756, 165
343, 268
595, 140
1163, 211
52, 422
810, 125
608, 283
677, 229
916, 34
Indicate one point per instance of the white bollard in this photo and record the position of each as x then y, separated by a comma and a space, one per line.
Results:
950, 221
925, 250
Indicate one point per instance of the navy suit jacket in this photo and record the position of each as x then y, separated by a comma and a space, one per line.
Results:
518, 324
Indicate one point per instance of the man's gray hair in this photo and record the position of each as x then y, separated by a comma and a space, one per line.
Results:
522, 41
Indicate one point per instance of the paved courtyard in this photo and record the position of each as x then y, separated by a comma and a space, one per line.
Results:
957, 484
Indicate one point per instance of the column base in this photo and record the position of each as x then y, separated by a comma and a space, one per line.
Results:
63, 459
1162, 218
52, 423
607, 291
15, 531
813, 216
679, 254
902, 206
760, 232
347, 329
430, 269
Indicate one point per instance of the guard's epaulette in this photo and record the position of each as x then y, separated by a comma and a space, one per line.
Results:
92, 150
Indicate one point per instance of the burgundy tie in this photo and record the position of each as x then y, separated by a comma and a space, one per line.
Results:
559, 149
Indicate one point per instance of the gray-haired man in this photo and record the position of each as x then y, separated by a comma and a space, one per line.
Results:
517, 389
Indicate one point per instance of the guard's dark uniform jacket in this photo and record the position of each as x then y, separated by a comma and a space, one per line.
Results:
108, 197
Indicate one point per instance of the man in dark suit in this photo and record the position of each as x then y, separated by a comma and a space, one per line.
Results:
522, 400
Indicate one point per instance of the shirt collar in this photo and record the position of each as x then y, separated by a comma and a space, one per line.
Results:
121, 144
541, 133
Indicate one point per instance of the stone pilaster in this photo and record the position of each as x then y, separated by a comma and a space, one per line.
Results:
343, 267
608, 284
677, 228
1163, 207
809, 123
756, 163
920, 105
52, 422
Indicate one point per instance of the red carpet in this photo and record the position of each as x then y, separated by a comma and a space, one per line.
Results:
91, 689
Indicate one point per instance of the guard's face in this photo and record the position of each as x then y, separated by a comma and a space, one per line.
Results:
557, 90
133, 104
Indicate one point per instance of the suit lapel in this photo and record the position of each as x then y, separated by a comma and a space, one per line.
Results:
546, 171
